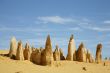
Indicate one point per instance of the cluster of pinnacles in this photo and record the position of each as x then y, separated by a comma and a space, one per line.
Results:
46, 56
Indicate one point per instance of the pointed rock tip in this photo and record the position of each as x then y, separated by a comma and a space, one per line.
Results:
27, 45
20, 42
48, 36
99, 45
82, 44
72, 37
48, 39
13, 38
56, 48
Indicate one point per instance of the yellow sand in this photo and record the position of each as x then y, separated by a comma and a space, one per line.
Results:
13, 66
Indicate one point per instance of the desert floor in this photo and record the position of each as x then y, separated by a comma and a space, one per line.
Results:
13, 66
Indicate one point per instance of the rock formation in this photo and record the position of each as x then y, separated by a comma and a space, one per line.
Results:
61, 54
89, 57
99, 53
19, 52
27, 52
81, 53
47, 54
56, 54
13, 48
71, 49
36, 56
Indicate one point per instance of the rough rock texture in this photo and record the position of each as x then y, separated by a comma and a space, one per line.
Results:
13, 48
89, 57
47, 54
32, 53
19, 52
27, 52
71, 49
36, 56
81, 53
61, 54
56, 54
99, 53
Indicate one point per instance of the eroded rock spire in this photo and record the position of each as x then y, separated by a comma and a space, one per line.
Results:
99, 53
81, 53
19, 52
13, 48
56, 54
47, 54
27, 52
71, 49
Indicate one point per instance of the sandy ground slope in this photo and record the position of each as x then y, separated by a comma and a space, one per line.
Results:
13, 66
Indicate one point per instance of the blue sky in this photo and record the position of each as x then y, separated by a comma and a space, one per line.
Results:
32, 20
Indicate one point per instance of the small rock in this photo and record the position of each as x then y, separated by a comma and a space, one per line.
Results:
84, 68
19, 72
104, 63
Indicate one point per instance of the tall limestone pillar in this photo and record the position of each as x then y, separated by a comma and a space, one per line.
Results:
19, 52
13, 48
89, 57
36, 56
56, 54
27, 52
71, 49
62, 57
47, 54
98, 53
81, 53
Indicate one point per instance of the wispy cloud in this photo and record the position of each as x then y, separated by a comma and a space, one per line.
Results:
107, 22
55, 19
100, 29
94, 27
77, 25
29, 29
75, 29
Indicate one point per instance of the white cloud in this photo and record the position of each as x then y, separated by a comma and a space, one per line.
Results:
100, 29
94, 27
75, 29
107, 22
55, 19
80, 24
29, 29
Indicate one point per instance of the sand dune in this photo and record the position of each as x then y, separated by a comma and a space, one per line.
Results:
8, 65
